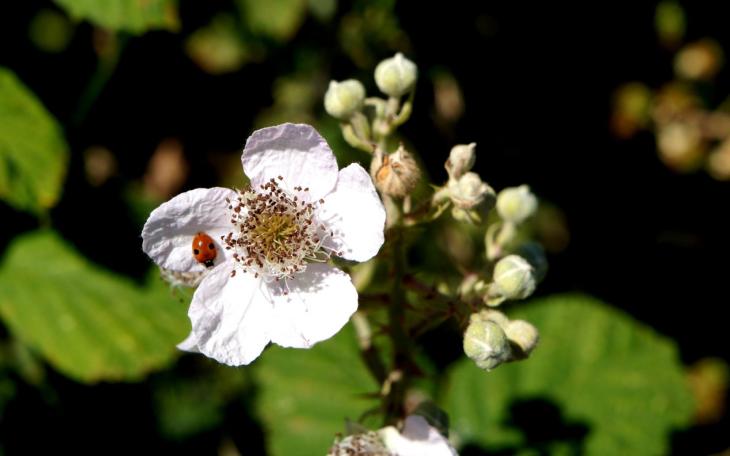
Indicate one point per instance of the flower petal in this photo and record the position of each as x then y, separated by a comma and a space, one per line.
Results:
354, 212
168, 234
418, 438
231, 316
190, 344
295, 152
319, 302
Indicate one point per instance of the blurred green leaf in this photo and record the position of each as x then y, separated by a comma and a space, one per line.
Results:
217, 48
277, 19
133, 16
306, 395
602, 369
33, 153
90, 324
323, 10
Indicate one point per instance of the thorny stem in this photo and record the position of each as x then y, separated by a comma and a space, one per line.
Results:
396, 318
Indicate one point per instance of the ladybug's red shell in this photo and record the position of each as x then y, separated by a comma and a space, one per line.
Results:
204, 249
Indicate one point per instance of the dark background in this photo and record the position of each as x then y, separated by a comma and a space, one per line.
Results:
537, 82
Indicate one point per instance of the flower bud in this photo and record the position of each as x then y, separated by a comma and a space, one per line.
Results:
469, 191
700, 60
396, 76
395, 174
513, 278
680, 145
523, 335
486, 343
516, 204
461, 160
344, 98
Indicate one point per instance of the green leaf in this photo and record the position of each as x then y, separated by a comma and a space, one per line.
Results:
306, 395
615, 382
88, 323
33, 153
277, 19
133, 16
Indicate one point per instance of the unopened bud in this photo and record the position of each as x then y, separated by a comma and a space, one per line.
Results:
516, 204
513, 278
344, 98
486, 343
461, 160
700, 60
469, 191
523, 335
396, 76
680, 145
395, 174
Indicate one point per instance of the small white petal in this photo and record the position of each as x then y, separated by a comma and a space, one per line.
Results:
418, 438
231, 316
168, 234
356, 215
295, 152
319, 302
190, 344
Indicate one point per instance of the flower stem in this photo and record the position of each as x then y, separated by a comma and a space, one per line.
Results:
396, 317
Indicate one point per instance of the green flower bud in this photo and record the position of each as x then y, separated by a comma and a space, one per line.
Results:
523, 335
469, 191
343, 99
513, 278
516, 204
486, 343
396, 76
461, 160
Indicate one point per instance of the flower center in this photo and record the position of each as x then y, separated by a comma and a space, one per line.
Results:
276, 233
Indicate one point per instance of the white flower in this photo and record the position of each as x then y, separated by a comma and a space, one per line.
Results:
270, 281
417, 438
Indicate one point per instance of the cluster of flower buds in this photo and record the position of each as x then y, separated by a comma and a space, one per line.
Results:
470, 197
368, 121
690, 135
492, 339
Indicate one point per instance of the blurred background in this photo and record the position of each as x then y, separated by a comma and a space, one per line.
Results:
108, 109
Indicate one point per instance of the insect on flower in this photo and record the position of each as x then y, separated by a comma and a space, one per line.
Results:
204, 249
267, 276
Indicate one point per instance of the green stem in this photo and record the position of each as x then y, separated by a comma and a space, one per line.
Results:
399, 337
104, 69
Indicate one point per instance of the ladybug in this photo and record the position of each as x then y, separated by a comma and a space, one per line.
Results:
204, 249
